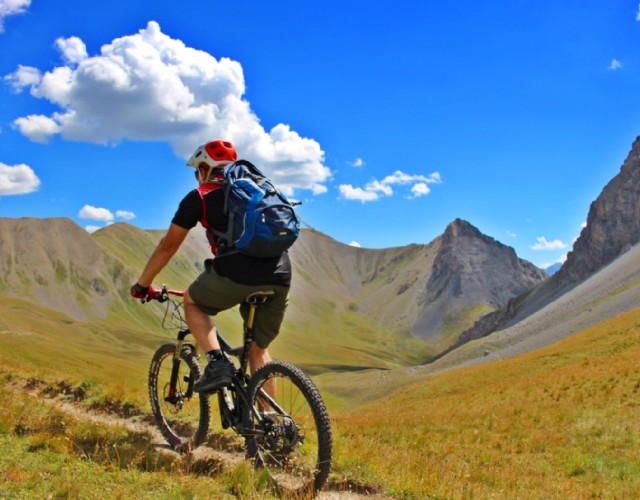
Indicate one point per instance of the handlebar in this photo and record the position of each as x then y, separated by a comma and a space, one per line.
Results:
161, 295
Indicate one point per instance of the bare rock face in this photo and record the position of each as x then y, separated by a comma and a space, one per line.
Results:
613, 226
476, 273
613, 223
472, 264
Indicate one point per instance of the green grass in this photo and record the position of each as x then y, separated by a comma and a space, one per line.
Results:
47, 454
556, 423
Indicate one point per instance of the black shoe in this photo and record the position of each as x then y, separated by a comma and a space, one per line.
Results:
217, 375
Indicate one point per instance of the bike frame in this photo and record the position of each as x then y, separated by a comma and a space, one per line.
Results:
236, 411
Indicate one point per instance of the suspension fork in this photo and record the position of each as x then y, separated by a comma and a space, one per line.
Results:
175, 367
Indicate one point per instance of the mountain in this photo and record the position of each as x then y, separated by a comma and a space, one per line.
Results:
474, 272
357, 307
552, 269
55, 263
613, 227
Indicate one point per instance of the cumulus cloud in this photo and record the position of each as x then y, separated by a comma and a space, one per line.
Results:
95, 213
544, 244
125, 214
151, 87
376, 189
72, 49
615, 65
24, 76
91, 228
358, 162
38, 128
12, 8
355, 244
17, 179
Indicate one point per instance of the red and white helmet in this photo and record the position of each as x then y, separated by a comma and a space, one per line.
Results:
216, 154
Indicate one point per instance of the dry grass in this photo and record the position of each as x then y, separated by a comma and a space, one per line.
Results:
561, 422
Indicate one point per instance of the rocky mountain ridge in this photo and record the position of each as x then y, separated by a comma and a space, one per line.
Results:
431, 292
612, 228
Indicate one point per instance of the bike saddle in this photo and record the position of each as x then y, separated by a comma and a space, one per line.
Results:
259, 297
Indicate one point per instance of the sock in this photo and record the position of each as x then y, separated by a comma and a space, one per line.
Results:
214, 355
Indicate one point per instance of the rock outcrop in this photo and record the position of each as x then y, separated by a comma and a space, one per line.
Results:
613, 226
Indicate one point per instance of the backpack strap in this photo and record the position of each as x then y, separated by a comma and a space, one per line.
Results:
202, 191
211, 233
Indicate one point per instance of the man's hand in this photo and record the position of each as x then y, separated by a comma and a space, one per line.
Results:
139, 292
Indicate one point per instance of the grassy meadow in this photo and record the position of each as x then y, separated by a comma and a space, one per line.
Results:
561, 422
556, 423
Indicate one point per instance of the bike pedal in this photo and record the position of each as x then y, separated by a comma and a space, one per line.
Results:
187, 378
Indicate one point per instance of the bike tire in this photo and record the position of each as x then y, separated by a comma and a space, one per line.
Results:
299, 465
184, 421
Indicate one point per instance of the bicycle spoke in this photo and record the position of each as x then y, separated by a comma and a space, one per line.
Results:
183, 416
295, 440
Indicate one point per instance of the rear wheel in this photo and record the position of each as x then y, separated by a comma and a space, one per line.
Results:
292, 436
182, 415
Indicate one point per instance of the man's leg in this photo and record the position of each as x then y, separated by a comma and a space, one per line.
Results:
259, 357
218, 371
201, 325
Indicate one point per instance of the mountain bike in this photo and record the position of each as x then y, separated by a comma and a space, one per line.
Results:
278, 410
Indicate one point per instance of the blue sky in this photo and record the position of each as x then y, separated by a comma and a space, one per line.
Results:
388, 120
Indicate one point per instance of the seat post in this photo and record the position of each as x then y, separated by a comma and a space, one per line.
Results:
252, 315
254, 300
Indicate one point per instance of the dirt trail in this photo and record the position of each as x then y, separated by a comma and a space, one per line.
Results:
215, 455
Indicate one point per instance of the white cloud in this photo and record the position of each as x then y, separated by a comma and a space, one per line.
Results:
24, 76
125, 214
420, 189
150, 87
38, 128
92, 229
355, 244
543, 244
95, 213
511, 234
638, 14
12, 8
375, 189
17, 179
615, 65
358, 162
350, 193
73, 49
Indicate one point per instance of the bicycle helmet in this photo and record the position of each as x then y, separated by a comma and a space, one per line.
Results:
216, 154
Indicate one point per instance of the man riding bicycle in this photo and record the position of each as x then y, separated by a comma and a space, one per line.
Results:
228, 278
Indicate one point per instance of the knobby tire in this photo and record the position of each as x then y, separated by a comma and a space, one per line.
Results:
184, 422
305, 466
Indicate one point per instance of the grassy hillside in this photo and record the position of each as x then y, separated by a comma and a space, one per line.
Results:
560, 422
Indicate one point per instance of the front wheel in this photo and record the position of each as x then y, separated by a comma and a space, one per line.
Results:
291, 429
182, 415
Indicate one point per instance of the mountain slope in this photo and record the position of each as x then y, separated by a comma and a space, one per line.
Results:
474, 272
613, 226
358, 308
56, 263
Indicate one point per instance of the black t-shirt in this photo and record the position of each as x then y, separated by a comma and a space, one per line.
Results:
242, 269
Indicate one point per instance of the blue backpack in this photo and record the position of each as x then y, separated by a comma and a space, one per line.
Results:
262, 222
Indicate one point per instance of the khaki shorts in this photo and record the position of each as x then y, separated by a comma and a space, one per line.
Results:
213, 293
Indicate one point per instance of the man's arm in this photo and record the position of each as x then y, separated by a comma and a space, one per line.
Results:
161, 256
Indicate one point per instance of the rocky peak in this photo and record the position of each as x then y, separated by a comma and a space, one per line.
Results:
477, 266
613, 223
461, 228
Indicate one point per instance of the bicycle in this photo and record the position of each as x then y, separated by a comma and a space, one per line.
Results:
278, 410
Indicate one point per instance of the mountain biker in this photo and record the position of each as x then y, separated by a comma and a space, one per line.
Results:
228, 278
